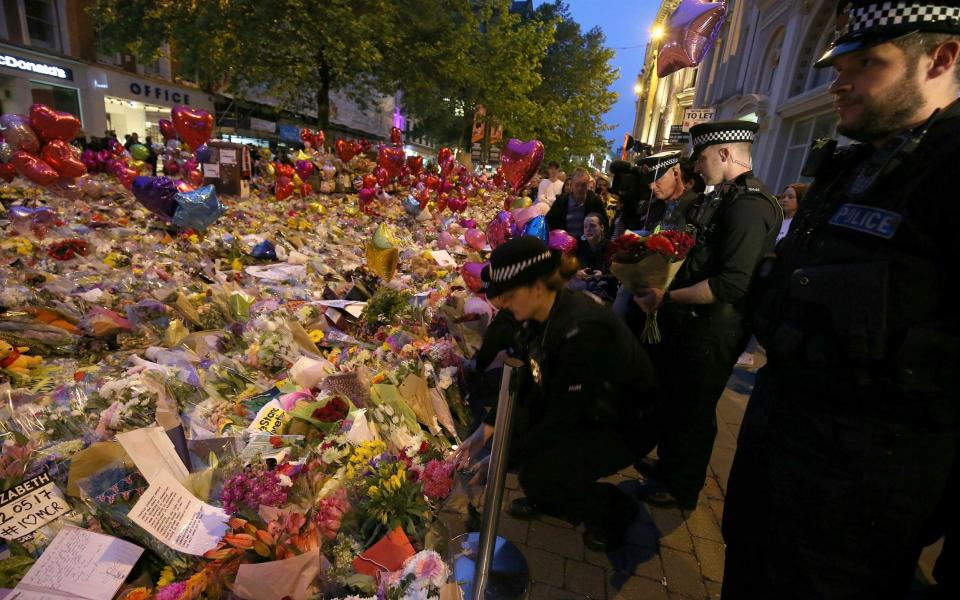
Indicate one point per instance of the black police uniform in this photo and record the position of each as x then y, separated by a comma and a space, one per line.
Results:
847, 442
735, 226
590, 407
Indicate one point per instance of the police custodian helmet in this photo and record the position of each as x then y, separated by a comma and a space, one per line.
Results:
865, 23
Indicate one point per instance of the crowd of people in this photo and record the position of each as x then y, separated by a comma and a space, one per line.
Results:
846, 462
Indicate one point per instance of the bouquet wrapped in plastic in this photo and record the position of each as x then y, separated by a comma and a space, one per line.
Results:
649, 262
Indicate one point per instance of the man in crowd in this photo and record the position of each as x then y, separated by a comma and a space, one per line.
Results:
848, 439
569, 210
670, 199
701, 316
550, 187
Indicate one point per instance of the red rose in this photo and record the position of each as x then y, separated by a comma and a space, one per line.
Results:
336, 409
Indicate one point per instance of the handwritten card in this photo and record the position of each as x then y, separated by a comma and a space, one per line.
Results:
28, 506
171, 514
79, 564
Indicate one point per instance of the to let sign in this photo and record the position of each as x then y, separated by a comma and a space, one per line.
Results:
693, 116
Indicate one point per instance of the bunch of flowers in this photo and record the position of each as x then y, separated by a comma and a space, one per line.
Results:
252, 487
15, 459
437, 479
631, 247
271, 345
122, 404
387, 498
330, 513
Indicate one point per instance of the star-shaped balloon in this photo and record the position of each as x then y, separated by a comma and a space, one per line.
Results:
198, 209
691, 31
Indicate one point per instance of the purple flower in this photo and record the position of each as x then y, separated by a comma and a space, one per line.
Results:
252, 488
171, 592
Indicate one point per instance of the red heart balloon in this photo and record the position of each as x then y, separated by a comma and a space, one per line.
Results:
443, 155
319, 139
498, 178
520, 161
284, 187
346, 149
52, 124
471, 275
126, 175
33, 168
286, 170
369, 180
7, 171
423, 198
170, 167
306, 135
457, 204
195, 177
367, 195
306, 189
415, 165
61, 156
391, 159
167, 130
475, 239
396, 136
194, 125
446, 167
116, 147
442, 201
433, 182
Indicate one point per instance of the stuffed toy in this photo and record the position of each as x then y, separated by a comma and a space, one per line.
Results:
12, 359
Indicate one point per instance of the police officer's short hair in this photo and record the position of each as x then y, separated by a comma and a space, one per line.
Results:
920, 43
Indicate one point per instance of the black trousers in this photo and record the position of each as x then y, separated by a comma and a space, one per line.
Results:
694, 361
559, 469
827, 499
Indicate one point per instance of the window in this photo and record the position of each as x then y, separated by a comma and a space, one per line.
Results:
802, 135
770, 65
42, 23
821, 77
62, 98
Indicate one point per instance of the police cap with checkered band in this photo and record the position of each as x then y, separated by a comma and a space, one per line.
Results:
518, 262
865, 23
721, 132
654, 167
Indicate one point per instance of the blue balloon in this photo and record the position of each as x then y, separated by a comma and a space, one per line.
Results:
203, 154
537, 227
198, 209
411, 206
264, 250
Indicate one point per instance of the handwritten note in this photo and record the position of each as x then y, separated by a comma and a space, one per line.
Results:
228, 156
171, 514
79, 564
28, 506
211, 170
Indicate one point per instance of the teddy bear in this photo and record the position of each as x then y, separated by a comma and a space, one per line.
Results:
13, 359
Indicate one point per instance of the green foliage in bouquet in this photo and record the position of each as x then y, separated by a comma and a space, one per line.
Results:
385, 307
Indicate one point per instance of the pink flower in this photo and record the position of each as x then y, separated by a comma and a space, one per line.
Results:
174, 591
329, 513
437, 479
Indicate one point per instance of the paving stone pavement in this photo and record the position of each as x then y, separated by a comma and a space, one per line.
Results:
670, 554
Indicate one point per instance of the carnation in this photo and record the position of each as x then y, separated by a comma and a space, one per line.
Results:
174, 591
437, 479
251, 489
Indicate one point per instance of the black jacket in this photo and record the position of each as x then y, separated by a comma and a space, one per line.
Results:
557, 216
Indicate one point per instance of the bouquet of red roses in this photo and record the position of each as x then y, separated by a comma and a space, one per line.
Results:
649, 262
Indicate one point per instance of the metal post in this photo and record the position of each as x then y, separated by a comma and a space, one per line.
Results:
496, 476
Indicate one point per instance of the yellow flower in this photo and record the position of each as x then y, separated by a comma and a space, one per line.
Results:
111, 260
272, 219
236, 264
373, 490
315, 335
194, 239
378, 378
166, 577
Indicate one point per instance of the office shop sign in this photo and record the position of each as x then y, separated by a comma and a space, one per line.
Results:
30, 66
155, 92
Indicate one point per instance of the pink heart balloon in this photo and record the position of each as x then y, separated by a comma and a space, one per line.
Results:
500, 229
475, 239
445, 240
691, 31
520, 161
562, 241
457, 204
523, 215
471, 276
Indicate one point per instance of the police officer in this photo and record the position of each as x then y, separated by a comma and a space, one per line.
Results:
590, 378
848, 439
701, 316
670, 199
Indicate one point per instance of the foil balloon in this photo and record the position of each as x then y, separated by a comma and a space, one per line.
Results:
170, 167
562, 241
442, 198
520, 161
203, 153
304, 168
33, 222
443, 155
6, 152
500, 229
432, 182
415, 165
115, 147
195, 177
194, 125
391, 159
470, 272
522, 216
7, 171
498, 179
367, 194
157, 194
306, 189
52, 124
346, 149
173, 145
189, 165
167, 130
457, 204
691, 31
396, 136
139, 152
264, 250
89, 159
537, 227
446, 167
61, 156
369, 181
411, 206
446, 240
284, 187
125, 175
468, 223
185, 186
18, 133
33, 168
198, 209
475, 239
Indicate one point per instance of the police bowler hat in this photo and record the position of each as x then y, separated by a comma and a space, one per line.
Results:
518, 262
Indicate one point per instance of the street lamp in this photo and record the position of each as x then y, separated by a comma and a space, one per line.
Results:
638, 88
657, 32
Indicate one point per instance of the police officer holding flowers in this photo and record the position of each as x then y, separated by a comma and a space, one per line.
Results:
702, 314
848, 440
590, 383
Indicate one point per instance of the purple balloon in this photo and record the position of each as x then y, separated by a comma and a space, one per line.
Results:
468, 223
203, 154
500, 229
157, 194
562, 241
537, 227
691, 31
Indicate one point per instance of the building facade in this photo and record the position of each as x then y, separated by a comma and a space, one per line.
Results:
661, 102
761, 69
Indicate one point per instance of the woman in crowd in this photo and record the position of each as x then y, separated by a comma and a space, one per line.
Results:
789, 201
590, 378
594, 273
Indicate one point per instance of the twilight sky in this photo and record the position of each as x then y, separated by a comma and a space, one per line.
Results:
626, 24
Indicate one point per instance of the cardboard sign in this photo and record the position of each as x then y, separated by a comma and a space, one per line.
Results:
228, 156
271, 419
28, 506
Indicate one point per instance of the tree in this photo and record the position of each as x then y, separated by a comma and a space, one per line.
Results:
574, 92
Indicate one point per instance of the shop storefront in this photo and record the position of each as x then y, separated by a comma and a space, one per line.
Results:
28, 77
132, 103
